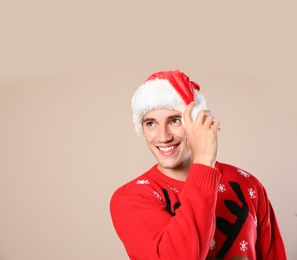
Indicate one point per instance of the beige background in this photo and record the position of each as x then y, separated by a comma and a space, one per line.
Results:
67, 73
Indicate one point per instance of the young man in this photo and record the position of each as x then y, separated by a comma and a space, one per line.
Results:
190, 206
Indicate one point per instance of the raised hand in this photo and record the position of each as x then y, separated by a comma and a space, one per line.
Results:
202, 135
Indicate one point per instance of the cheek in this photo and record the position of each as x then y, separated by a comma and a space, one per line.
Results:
186, 145
149, 136
179, 132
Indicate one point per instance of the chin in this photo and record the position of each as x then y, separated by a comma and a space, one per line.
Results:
169, 165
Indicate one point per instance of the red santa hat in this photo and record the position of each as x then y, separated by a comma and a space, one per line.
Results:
165, 89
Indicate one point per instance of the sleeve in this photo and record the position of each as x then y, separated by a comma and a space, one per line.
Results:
269, 240
149, 232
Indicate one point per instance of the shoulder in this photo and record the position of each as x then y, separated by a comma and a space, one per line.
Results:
143, 186
239, 175
139, 184
240, 184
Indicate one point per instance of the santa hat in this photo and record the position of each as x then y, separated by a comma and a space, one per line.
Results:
165, 89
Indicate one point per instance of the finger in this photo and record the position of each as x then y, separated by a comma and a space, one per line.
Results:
202, 116
208, 121
216, 125
187, 114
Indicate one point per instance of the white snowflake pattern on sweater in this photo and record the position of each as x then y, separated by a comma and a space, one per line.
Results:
157, 195
212, 244
252, 193
221, 188
243, 173
142, 182
243, 245
175, 190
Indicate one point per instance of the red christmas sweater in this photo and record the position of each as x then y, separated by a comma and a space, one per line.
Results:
221, 213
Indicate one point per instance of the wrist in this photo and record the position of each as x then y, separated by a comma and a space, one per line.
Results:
210, 163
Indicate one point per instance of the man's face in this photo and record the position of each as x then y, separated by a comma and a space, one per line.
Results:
166, 138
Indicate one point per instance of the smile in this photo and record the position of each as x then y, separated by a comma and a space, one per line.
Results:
167, 149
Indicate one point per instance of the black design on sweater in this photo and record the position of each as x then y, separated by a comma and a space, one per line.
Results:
168, 203
232, 230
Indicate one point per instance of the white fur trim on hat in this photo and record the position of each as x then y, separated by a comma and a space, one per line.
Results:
158, 94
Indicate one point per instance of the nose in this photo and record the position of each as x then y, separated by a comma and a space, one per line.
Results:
164, 134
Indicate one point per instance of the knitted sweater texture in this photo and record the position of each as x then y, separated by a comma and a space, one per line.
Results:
221, 213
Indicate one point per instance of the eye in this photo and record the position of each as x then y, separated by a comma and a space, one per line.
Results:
149, 123
176, 121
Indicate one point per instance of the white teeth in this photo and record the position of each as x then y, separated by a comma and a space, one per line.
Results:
167, 149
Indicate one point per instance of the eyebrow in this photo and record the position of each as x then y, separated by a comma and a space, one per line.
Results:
148, 119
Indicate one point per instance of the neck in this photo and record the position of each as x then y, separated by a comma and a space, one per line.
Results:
179, 173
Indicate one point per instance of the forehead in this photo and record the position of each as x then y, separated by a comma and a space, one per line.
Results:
161, 113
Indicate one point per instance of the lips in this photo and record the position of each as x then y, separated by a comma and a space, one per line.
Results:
167, 149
